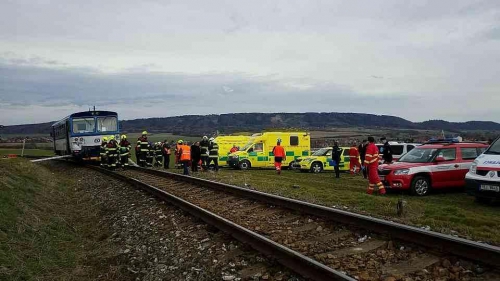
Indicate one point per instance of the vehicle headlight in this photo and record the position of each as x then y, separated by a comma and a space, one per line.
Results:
402, 172
473, 167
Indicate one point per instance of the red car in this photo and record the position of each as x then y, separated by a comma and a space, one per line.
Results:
436, 164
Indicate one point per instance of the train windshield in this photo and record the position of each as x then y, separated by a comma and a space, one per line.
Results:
83, 125
107, 124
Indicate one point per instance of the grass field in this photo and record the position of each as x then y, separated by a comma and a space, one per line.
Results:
154, 137
48, 230
444, 211
29, 152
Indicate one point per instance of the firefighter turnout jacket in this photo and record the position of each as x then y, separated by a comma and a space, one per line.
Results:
213, 150
204, 144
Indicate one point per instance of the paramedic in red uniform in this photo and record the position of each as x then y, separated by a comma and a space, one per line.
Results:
371, 163
354, 165
233, 149
279, 156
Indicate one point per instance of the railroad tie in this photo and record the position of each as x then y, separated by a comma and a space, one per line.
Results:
326, 238
358, 249
411, 266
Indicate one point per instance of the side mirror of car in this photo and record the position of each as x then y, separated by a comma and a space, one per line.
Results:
440, 159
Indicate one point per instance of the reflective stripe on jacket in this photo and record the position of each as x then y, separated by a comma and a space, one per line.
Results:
103, 148
143, 144
111, 148
204, 148
371, 156
214, 150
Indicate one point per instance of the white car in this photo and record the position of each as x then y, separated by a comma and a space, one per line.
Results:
483, 178
398, 149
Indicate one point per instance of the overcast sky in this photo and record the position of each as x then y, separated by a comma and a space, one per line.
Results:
418, 60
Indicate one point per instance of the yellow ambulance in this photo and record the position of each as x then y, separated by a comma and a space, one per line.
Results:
226, 143
258, 152
321, 160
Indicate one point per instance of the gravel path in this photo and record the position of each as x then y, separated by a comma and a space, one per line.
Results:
157, 241
360, 254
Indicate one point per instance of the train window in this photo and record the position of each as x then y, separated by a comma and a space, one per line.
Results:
83, 125
107, 124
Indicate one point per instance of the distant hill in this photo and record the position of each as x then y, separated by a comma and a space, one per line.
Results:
238, 122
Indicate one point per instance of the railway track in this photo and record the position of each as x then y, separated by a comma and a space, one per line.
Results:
321, 243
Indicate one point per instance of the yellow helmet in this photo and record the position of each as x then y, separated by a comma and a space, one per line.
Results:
144, 132
180, 141
124, 137
112, 138
104, 139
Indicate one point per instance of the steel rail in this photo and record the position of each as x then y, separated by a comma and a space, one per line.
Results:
295, 261
472, 250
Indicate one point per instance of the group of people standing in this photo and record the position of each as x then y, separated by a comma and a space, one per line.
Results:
150, 154
198, 156
368, 152
114, 154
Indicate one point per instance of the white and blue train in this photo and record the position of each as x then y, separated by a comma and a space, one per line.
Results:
80, 134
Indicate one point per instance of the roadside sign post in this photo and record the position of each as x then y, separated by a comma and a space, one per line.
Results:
24, 143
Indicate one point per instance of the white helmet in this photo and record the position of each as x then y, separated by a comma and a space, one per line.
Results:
211, 139
205, 137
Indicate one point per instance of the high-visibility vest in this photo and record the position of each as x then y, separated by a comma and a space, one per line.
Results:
185, 153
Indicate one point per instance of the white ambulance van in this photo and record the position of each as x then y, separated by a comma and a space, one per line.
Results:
483, 178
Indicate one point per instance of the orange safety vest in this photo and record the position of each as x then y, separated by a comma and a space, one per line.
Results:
186, 153
279, 151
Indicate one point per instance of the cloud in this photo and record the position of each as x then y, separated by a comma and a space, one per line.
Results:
39, 94
419, 60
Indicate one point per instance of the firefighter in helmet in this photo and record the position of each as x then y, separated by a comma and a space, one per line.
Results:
112, 152
104, 159
142, 149
124, 151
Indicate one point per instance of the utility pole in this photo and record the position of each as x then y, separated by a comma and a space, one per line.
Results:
24, 143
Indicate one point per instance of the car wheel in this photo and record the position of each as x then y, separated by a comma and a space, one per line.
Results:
420, 186
316, 167
290, 166
244, 165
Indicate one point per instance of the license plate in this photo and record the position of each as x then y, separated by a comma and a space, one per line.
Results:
489, 187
